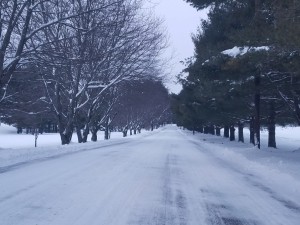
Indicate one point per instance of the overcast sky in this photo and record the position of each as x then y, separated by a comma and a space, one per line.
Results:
181, 20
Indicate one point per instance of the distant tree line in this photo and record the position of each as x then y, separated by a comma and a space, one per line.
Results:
81, 66
246, 69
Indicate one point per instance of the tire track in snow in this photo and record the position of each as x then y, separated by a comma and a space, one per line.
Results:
220, 214
164, 180
250, 178
172, 209
173, 198
222, 211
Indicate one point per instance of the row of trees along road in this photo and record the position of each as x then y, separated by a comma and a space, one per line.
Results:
66, 65
245, 71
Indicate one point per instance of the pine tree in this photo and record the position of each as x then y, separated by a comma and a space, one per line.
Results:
249, 78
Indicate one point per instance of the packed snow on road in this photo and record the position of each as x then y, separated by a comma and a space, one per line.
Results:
165, 177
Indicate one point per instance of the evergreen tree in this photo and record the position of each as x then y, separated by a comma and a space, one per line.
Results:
253, 85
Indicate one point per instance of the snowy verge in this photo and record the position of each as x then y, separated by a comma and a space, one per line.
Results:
286, 157
17, 156
276, 168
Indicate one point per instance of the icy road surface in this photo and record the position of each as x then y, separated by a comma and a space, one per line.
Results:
168, 178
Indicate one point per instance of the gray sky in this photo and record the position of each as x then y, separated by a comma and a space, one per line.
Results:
181, 20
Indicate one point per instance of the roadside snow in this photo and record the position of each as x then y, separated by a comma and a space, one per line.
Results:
16, 148
285, 158
10, 139
168, 177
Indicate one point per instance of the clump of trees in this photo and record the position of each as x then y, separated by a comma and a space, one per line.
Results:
245, 71
142, 104
65, 65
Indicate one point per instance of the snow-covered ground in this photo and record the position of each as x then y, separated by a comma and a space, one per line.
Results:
164, 177
286, 157
16, 149
10, 139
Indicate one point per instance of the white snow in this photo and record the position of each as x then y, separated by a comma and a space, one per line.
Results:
10, 139
236, 51
168, 176
18, 148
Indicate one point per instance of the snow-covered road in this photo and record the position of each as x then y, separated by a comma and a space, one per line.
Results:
168, 178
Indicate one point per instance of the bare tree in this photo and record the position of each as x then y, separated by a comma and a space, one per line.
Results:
135, 58
143, 104
92, 53
23, 20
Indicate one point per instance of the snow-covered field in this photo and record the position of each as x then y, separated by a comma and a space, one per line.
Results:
17, 149
168, 176
10, 139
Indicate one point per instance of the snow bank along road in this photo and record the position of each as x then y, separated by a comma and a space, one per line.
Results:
164, 178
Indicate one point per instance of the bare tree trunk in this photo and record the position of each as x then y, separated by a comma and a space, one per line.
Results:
232, 133
212, 129
218, 130
257, 109
36, 135
66, 137
94, 135
241, 132
297, 108
226, 131
65, 132
205, 130
19, 130
86, 132
79, 134
106, 131
272, 126
252, 131
55, 128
